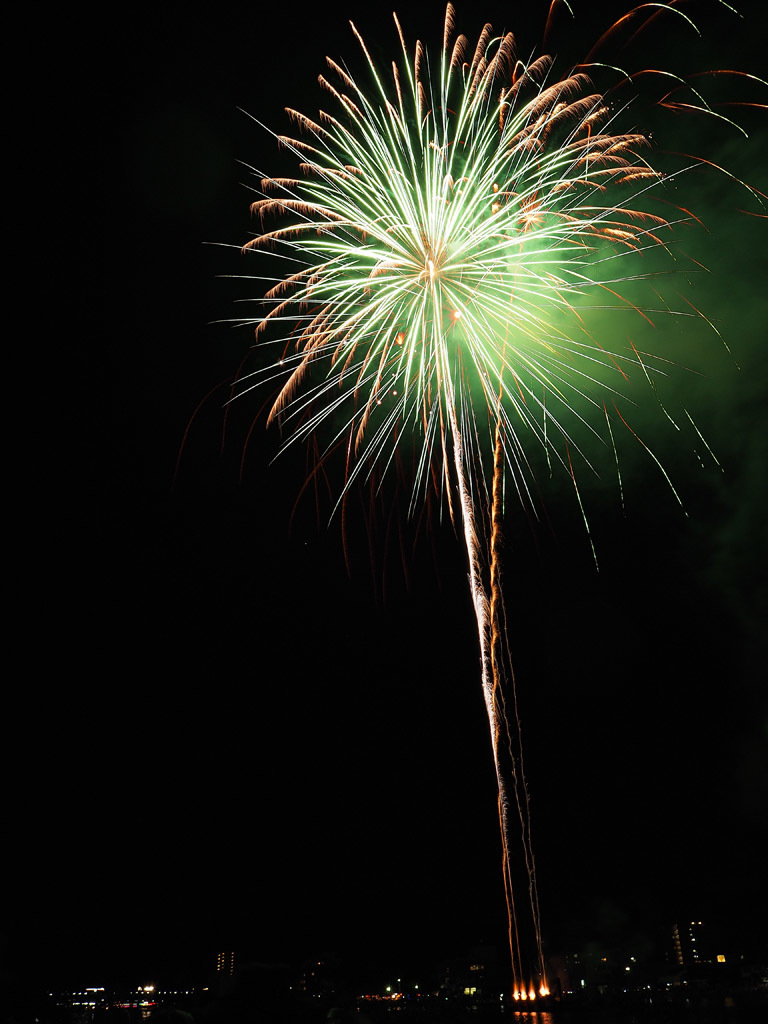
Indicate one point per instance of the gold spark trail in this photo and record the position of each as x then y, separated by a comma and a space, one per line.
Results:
496, 669
497, 695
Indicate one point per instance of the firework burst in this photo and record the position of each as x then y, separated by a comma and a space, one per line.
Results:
449, 216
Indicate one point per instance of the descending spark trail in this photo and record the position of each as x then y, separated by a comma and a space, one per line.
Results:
441, 235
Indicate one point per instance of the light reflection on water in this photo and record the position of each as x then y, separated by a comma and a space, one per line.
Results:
533, 1017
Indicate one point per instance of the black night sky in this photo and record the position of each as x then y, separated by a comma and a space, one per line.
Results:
232, 742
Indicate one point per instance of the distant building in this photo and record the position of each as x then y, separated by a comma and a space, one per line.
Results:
689, 944
476, 974
225, 963
320, 978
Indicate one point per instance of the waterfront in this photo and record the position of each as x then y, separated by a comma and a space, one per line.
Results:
206, 1007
